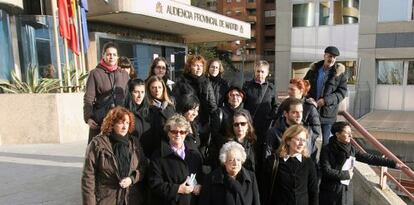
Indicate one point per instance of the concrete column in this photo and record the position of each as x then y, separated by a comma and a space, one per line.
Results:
283, 65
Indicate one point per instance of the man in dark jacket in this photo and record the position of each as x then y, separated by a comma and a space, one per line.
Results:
328, 88
261, 103
292, 115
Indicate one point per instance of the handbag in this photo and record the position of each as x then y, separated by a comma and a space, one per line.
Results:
99, 112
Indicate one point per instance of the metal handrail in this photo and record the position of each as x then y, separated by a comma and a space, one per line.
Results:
381, 148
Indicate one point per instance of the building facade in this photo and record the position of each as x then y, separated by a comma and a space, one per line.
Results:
375, 39
143, 31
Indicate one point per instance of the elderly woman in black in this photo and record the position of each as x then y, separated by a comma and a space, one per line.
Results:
290, 175
175, 167
334, 190
113, 162
160, 109
230, 184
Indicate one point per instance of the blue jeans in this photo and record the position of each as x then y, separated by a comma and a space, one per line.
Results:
326, 133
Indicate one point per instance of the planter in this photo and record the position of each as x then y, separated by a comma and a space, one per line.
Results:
42, 118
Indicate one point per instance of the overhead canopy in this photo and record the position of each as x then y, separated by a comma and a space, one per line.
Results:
191, 23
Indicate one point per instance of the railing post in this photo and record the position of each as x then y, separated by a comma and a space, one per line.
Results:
383, 178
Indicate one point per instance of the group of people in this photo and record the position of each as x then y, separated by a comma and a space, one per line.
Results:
199, 140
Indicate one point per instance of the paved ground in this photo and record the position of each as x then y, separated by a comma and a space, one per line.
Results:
41, 174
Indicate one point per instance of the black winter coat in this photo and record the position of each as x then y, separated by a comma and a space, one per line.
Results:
220, 189
202, 89
289, 182
167, 171
141, 113
274, 136
333, 92
332, 158
262, 112
220, 87
151, 140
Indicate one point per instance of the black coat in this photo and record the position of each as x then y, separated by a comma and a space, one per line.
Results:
310, 118
202, 89
332, 159
141, 113
290, 183
333, 92
262, 112
274, 137
167, 171
220, 189
220, 87
151, 139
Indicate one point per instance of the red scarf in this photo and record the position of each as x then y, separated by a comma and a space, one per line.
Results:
109, 68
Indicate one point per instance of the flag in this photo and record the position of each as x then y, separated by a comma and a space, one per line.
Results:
84, 8
63, 14
73, 42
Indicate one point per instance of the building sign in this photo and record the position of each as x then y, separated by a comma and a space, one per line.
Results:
198, 17
194, 16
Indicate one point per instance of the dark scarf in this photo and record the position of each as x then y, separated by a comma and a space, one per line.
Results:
344, 148
235, 195
121, 151
196, 80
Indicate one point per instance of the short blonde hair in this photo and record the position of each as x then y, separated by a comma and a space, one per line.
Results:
176, 120
291, 132
229, 147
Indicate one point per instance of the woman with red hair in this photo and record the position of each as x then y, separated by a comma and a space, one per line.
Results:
299, 88
113, 162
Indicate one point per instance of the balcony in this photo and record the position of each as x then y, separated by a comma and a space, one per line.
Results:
269, 45
251, 5
251, 18
270, 20
270, 32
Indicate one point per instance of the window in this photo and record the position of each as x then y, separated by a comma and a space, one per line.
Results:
251, 1
410, 73
395, 10
228, 1
346, 12
303, 15
324, 9
390, 72
251, 12
270, 13
228, 13
6, 58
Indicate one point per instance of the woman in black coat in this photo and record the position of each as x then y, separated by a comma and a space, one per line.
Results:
173, 165
188, 106
194, 82
160, 109
136, 103
289, 174
230, 184
215, 74
333, 188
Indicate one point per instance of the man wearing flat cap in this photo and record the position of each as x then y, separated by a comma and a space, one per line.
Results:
328, 88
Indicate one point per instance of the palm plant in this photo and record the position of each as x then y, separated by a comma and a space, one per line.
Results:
33, 83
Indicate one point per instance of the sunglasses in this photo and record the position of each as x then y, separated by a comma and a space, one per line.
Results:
182, 132
236, 124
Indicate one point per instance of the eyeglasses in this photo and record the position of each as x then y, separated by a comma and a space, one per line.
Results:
236, 124
182, 132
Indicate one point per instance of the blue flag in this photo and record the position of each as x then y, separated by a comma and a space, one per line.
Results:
84, 9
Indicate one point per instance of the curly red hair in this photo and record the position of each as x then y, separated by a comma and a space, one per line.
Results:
115, 115
301, 84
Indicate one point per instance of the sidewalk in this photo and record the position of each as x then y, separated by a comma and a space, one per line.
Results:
41, 174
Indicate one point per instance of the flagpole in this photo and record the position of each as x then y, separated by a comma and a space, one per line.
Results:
56, 36
67, 65
83, 67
